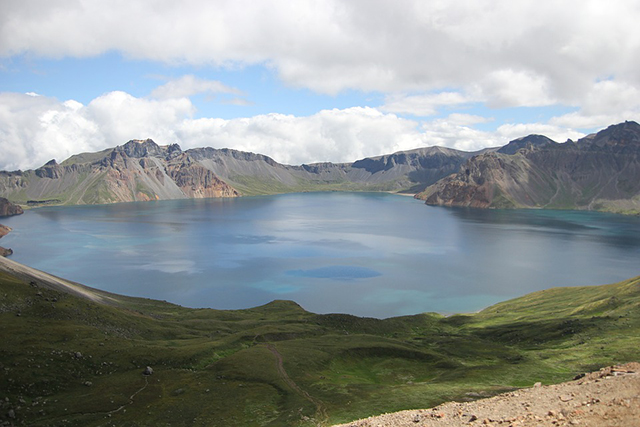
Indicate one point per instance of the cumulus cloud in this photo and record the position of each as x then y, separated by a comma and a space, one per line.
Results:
190, 85
423, 57
529, 52
510, 88
607, 102
454, 134
329, 135
35, 129
510, 132
426, 104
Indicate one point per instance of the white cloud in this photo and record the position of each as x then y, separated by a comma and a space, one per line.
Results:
461, 119
424, 105
237, 101
606, 103
122, 117
37, 129
510, 132
529, 52
329, 135
190, 85
510, 88
453, 134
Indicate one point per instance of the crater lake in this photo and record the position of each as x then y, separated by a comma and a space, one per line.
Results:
368, 254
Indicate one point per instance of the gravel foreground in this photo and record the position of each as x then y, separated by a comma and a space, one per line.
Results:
607, 398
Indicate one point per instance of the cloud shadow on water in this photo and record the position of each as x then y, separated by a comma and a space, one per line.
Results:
336, 272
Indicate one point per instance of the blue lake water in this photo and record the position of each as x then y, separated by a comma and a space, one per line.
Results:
367, 254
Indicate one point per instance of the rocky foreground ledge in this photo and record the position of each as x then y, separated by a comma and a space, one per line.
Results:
4, 230
607, 398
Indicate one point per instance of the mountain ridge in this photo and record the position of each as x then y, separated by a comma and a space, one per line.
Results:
142, 170
598, 172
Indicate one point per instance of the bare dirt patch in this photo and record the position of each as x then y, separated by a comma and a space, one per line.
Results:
606, 398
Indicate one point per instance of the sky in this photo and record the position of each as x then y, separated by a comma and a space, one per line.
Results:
310, 81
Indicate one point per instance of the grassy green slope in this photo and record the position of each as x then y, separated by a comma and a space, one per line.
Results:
278, 365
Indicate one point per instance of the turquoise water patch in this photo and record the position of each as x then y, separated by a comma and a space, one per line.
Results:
336, 272
375, 255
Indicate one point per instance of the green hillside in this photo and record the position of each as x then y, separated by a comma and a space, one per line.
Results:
69, 361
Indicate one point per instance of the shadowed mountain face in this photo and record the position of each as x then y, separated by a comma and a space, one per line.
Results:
142, 170
9, 209
598, 172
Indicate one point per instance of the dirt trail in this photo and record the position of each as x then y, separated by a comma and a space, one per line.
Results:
321, 411
45, 279
146, 383
607, 398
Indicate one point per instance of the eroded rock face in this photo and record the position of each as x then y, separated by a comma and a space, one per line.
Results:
139, 170
4, 230
198, 182
142, 170
599, 172
9, 209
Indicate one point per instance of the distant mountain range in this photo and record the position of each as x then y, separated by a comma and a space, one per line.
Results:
598, 172
144, 170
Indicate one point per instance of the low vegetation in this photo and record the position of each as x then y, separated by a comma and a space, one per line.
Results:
69, 361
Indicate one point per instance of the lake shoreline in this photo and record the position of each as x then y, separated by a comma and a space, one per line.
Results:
4, 230
365, 254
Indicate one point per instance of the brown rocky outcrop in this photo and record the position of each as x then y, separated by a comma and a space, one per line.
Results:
606, 398
4, 230
51, 170
139, 170
598, 172
143, 170
9, 209
198, 182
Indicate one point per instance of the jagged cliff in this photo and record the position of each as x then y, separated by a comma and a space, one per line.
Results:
7, 209
143, 170
598, 172
138, 170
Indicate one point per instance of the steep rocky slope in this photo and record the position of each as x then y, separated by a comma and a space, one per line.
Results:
4, 230
598, 172
7, 209
138, 170
142, 170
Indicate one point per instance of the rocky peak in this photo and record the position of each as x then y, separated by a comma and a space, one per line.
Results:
138, 148
141, 148
51, 170
622, 135
173, 150
529, 141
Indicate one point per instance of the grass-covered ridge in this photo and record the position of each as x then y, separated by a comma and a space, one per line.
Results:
68, 360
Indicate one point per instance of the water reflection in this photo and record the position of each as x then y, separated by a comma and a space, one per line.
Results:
616, 230
376, 255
